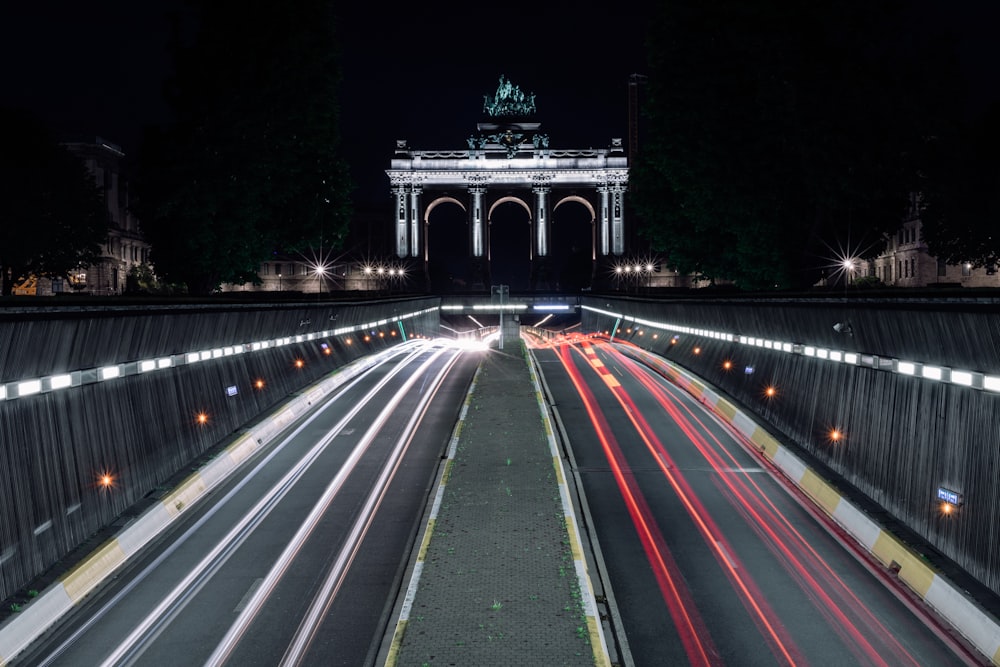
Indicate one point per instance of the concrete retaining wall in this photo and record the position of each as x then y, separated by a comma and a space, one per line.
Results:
903, 435
142, 428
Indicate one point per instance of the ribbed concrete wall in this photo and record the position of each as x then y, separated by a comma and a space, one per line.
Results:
903, 436
142, 428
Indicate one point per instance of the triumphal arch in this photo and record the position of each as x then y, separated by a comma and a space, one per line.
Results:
508, 159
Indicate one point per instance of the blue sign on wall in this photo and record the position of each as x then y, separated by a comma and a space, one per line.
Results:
231, 391
949, 496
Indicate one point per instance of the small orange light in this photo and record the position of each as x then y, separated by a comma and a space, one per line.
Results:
835, 435
947, 508
202, 418
381, 334
727, 364
299, 363
259, 384
392, 333
326, 350
655, 336
367, 338
697, 350
770, 392
106, 480
349, 341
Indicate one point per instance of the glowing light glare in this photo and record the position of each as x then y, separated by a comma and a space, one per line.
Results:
299, 363
201, 418
947, 508
770, 391
727, 365
469, 344
258, 384
61, 381
29, 387
697, 350
836, 435
105, 480
931, 372
906, 367
147, 365
961, 377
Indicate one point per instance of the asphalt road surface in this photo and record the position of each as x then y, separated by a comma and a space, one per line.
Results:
713, 558
297, 558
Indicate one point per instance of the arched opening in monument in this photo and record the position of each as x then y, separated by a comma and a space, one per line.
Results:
510, 245
447, 246
572, 247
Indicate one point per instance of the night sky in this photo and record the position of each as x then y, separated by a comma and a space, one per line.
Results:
417, 73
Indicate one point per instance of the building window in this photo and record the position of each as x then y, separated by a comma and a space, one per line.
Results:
966, 269
942, 268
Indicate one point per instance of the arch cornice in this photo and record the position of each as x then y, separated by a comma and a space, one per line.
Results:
503, 200
442, 200
577, 198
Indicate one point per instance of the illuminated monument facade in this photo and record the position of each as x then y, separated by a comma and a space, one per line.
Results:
508, 160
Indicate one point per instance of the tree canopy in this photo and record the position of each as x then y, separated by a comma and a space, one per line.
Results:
778, 137
961, 179
251, 164
52, 216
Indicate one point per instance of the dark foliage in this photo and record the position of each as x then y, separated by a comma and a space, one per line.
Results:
52, 217
961, 182
251, 166
780, 135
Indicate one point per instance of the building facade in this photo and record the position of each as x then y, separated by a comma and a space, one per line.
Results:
906, 261
125, 247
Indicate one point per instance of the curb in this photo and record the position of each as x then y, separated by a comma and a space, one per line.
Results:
73, 587
962, 613
418, 566
597, 640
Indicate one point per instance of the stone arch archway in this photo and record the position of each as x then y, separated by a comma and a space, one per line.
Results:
514, 159
445, 243
574, 240
509, 252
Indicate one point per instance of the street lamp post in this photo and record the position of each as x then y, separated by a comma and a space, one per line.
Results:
499, 294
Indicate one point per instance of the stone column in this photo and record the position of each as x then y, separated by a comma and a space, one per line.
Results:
542, 223
415, 221
402, 219
476, 219
604, 223
618, 218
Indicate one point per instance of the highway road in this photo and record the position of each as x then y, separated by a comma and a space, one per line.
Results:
297, 558
712, 556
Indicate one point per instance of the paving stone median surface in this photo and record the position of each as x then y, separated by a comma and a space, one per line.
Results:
498, 580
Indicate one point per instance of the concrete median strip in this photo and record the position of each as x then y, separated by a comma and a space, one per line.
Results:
962, 613
58, 599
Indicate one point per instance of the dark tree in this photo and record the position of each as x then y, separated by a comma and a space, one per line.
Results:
52, 217
779, 134
959, 192
252, 165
